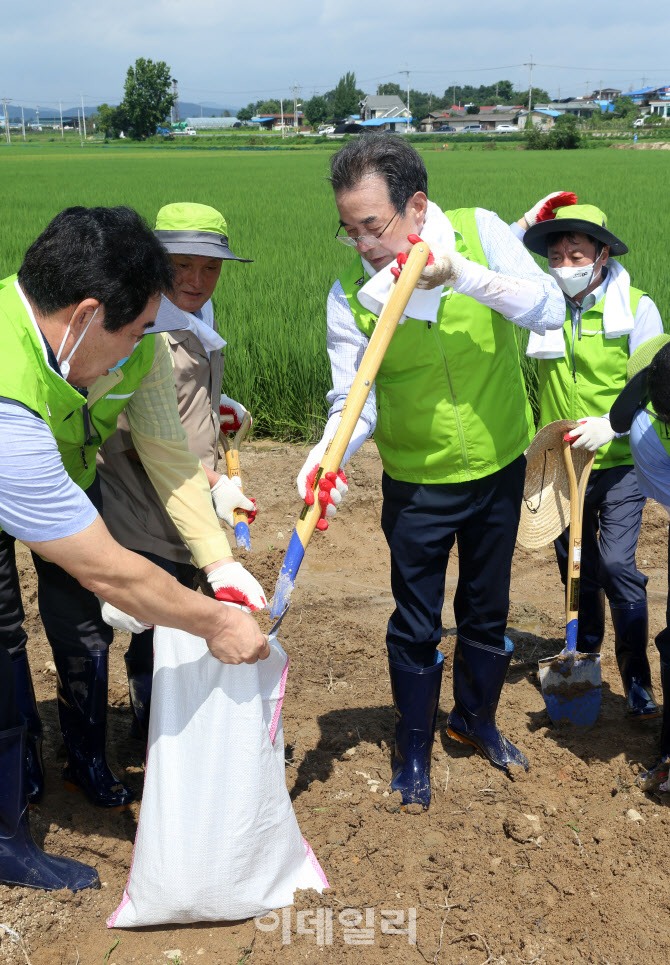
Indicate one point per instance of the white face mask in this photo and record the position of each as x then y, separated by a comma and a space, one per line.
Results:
573, 281
65, 364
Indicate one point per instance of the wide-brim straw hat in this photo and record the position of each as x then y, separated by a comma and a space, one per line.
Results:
545, 509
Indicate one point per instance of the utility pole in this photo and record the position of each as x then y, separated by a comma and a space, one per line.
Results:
23, 124
295, 107
281, 107
60, 108
454, 100
83, 113
37, 115
530, 85
79, 126
175, 94
6, 119
408, 114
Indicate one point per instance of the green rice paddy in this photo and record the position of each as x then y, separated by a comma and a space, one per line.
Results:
280, 212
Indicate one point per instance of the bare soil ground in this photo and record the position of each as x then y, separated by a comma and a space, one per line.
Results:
548, 867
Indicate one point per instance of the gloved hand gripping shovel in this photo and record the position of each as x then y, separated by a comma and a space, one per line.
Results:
353, 406
232, 452
571, 681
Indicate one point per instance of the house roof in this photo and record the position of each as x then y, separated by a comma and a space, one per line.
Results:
541, 110
377, 102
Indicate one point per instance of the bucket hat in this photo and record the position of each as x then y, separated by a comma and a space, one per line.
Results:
635, 395
583, 218
186, 228
545, 509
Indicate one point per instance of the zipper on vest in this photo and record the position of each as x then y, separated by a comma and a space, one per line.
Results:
457, 418
87, 433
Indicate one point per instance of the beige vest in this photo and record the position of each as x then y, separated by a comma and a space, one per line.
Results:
131, 509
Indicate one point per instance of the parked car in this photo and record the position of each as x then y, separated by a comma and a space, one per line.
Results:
506, 128
472, 129
446, 129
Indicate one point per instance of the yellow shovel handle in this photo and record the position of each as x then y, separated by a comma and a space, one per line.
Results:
367, 372
577, 494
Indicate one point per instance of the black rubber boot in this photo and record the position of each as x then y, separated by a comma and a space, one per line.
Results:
591, 626
82, 708
416, 694
139, 690
25, 699
479, 674
631, 631
21, 861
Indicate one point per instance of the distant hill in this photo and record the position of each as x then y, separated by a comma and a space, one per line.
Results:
186, 109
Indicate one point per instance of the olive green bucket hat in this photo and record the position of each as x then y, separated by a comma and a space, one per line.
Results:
585, 219
186, 228
636, 395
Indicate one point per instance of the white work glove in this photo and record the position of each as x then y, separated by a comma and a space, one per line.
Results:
591, 433
442, 268
231, 414
557, 199
233, 584
226, 497
116, 618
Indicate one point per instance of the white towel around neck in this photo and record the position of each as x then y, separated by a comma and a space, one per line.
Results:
173, 319
618, 318
424, 305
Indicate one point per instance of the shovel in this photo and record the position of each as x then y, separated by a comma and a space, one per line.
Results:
232, 452
571, 681
360, 388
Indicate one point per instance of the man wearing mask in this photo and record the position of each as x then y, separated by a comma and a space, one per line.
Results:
196, 239
85, 297
451, 421
581, 370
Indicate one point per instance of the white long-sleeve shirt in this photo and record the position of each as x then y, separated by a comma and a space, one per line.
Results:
536, 304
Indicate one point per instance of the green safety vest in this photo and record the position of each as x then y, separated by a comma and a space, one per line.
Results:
27, 377
451, 400
600, 374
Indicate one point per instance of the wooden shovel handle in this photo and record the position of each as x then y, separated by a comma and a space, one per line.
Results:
577, 494
367, 371
232, 453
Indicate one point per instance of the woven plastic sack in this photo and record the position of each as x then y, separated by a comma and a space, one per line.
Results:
217, 838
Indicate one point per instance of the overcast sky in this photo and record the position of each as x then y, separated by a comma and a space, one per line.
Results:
233, 53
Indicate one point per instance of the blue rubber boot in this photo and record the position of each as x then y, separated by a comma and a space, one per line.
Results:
416, 694
82, 709
631, 631
27, 706
139, 689
591, 625
21, 861
479, 674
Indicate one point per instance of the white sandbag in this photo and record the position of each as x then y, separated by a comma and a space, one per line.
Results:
217, 838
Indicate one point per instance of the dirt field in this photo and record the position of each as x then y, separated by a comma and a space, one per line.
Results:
566, 864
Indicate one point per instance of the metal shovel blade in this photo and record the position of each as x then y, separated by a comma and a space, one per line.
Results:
572, 687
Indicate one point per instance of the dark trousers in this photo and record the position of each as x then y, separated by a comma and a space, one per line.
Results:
9, 714
613, 506
70, 613
421, 524
663, 639
141, 648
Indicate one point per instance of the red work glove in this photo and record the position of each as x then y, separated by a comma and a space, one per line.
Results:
332, 487
231, 414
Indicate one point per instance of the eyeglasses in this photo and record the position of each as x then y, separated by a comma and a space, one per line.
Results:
370, 241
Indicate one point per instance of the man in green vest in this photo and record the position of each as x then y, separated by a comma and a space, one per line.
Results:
581, 370
451, 421
74, 351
